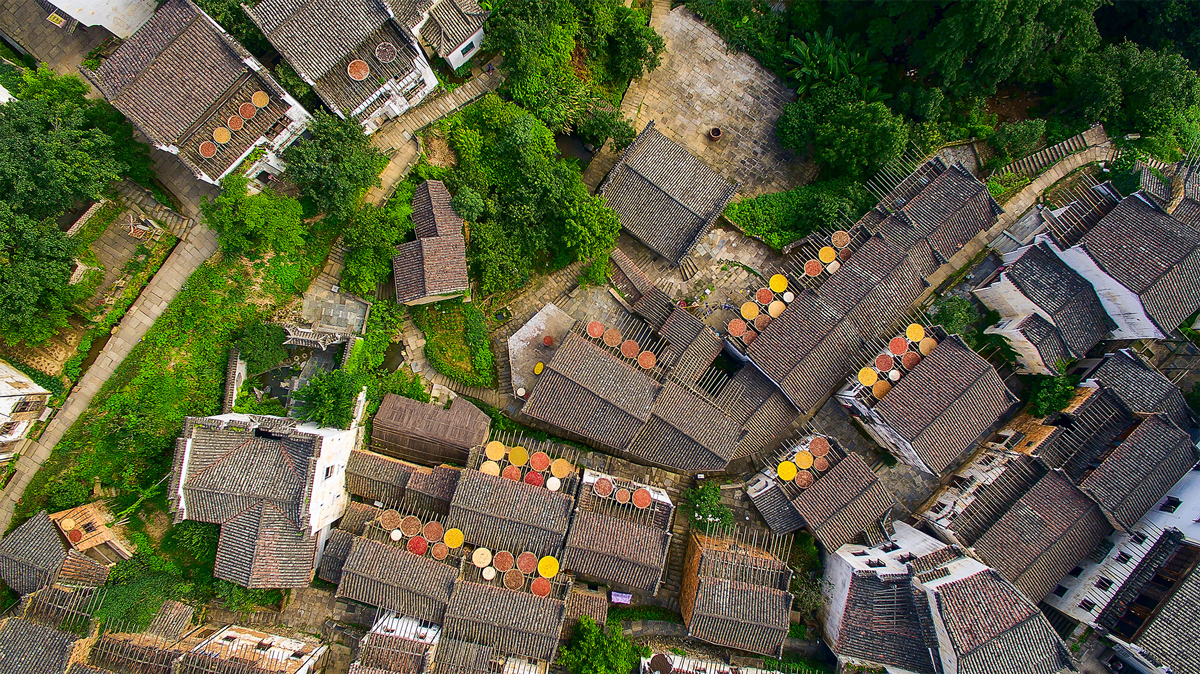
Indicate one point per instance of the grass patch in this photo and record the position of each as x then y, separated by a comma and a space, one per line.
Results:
457, 344
783, 217
619, 614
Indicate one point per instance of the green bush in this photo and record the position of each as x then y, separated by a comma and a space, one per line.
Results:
596, 650
706, 506
1018, 139
1002, 186
241, 599
251, 223
337, 166
198, 539
329, 398
68, 492
261, 346
457, 341
956, 314
783, 217
1051, 394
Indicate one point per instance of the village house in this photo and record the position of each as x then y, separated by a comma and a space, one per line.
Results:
198, 94
735, 591
39, 553
274, 485
364, 58
434, 266
426, 433
914, 604
22, 402
927, 398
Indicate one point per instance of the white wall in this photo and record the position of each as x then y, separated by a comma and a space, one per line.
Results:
121, 17
457, 58
1028, 356
1121, 304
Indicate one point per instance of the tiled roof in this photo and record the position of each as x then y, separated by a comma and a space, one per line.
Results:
313, 35
341, 92
393, 653
450, 23
807, 350
1143, 388
874, 287
946, 403
432, 489
739, 615
777, 510
993, 499
616, 551
1086, 433
841, 504
172, 620
698, 354
337, 549
1045, 533
395, 579
356, 517
682, 329
376, 477
435, 265
993, 629
1172, 635
881, 623
80, 570
432, 213
460, 657
1140, 470
504, 514
427, 433
30, 648
519, 623
262, 548
1068, 298
665, 197
585, 603
1152, 254
31, 555
945, 214
587, 391
686, 432
1047, 340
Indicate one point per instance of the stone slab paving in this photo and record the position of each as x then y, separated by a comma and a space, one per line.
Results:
187, 257
699, 85
63, 49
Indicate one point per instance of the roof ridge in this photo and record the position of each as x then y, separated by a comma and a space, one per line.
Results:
168, 45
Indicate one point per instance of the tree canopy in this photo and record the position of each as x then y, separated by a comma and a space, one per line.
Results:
252, 223
35, 266
329, 398
337, 166
842, 132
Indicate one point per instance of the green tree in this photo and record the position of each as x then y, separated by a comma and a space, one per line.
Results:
537, 38
704, 500
633, 46
846, 135
337, 166
329, 398
468, 204
591, 230
249, 223
50, 158
35, 264
261, 346
820, 61
372, 235
1051, 394
1018, 139
596, 650
956, 314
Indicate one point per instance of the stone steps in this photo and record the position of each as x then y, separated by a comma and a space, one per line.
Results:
1038, 162
140, 197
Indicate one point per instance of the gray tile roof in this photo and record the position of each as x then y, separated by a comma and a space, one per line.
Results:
1143, 388
341, 92
1152, 254
628, 554
79, 570
450, 23
30, 556
665, 197
686, 432
30, 648
1068, 298
376, 477
1140, 470
1043, 535
1047, 340
1172, 635
460, 657
356, 517
256, 483
740, 615
427, 433
994, 630
1086, 433
503, 514
875, 287
943, 406
337, 549
436, 265
777, 510
881, 623
433, 215
514, 622
843, 502
587, 391
395, 579
995, 498
314, 35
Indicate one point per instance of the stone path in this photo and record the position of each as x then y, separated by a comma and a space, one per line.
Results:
63, 49
198, 244
398, 138
699, 85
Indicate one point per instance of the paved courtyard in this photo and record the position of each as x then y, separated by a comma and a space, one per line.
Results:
63, 49
701, 85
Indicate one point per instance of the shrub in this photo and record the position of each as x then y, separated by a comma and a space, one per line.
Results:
197, 538
956, 314
708, 510
329, 399
1018, 139
596, 650
1051, 394
783, 217
249, 223
457, 341
337, 166
240, 599
68, 492
1002, 186
261, 345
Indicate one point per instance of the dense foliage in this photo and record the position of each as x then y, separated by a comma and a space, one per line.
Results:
337, 166
261, 346
704, 502
593, 649
253, 223
329, 398
842, 131
371, 236
1051, 394
458, 344
533, 208
783, 217
568, 61
955, 314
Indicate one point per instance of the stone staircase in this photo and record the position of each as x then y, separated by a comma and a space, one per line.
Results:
142, 199
503, 371
688, 269
331, 273
1039, 161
